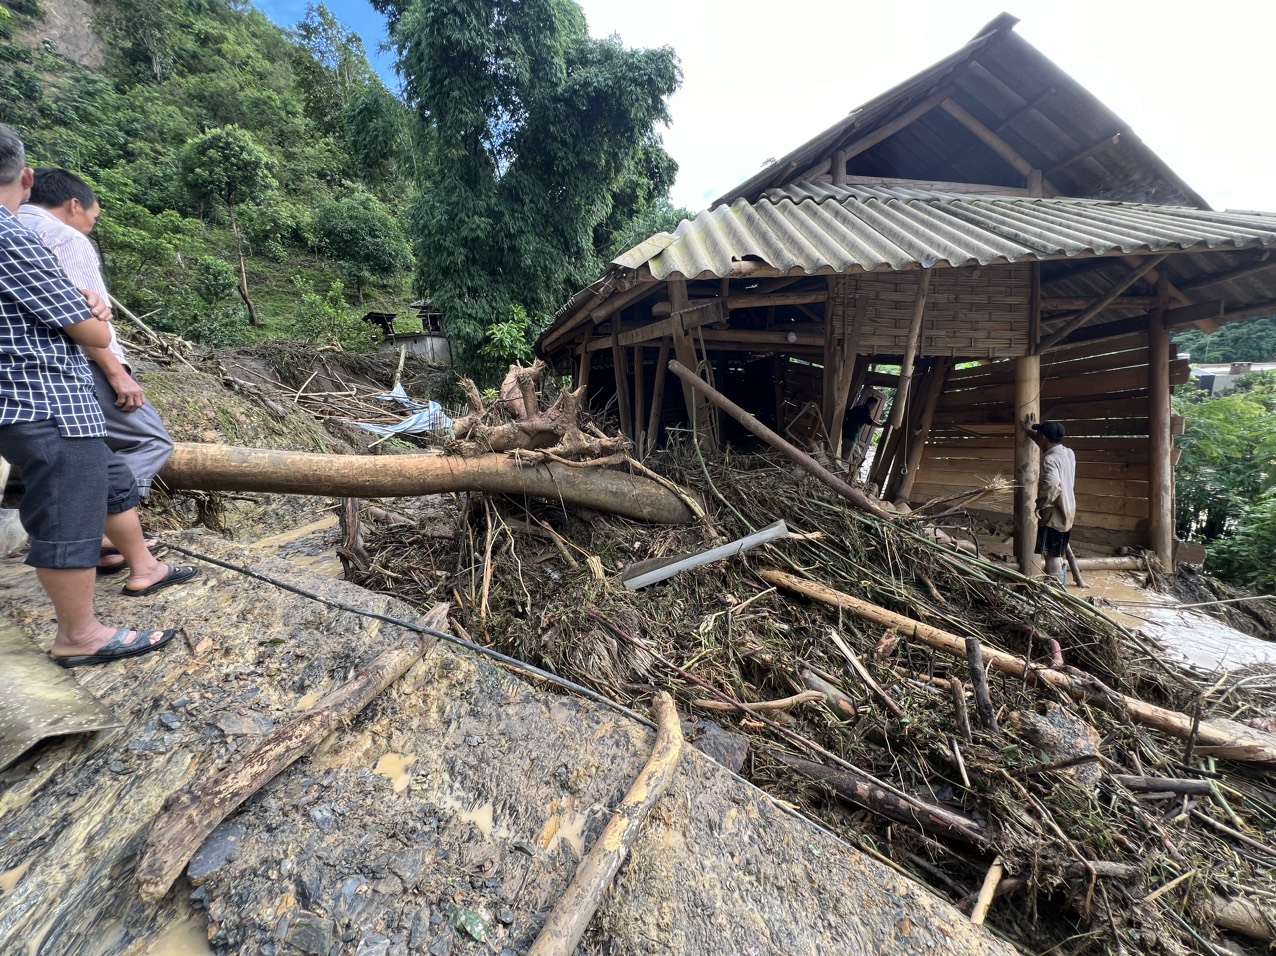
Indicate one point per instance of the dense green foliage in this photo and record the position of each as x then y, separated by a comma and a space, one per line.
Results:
207, 116
1226, 478
1252, 341
545, 151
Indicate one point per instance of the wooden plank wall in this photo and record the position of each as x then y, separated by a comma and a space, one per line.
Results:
970, 313
1099, 391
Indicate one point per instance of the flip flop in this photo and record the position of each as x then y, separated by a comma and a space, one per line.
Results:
103, 570
116, 649
176, 575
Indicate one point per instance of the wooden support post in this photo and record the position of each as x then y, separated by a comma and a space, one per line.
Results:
621, 363
1027, 461
910, 350
657, 398
778, 364
888, 446
1034, 308
582, 372
1160, 470
640, 399
847, 348
698, 410
934, 387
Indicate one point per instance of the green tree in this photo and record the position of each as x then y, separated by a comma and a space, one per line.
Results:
359, 232
1251, 341
1228, 455
332, 66
534, 124
226, 165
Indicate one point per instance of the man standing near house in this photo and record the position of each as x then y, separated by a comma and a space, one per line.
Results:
62, 210
1056, 498
52, 428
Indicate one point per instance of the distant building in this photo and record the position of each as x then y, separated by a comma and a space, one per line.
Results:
1217, 378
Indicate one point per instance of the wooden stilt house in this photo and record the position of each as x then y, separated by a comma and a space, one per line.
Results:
989, 233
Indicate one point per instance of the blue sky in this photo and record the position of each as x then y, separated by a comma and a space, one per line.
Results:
758, 80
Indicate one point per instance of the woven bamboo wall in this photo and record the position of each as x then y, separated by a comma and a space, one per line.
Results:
970, 313
1100, 394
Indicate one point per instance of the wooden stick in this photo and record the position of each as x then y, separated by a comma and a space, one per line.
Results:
783, 703
1163, 784
979, 684
984, 900
958, 690
1224, 738
886, 699
929, 817
853, 495
187, 821
570, 917
910, 350
1074, 568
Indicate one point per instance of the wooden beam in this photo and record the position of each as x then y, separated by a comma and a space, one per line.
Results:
582, 375
1188, 314
889, 129
620, 364
701, 313
753, 301
930, 185
698, 408
1027, 461
1095, 147
934, 388
1057, 336
640, 398
1034, 307
1264, 264
987, 137
1142, 302
622, 300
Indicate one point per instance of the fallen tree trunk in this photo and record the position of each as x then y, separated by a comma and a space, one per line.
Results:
188, 818
1217, 737
230, 468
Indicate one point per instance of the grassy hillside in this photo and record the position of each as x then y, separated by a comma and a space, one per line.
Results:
137, 107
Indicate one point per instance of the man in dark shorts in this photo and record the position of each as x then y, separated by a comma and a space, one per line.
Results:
52, 428
1056, 499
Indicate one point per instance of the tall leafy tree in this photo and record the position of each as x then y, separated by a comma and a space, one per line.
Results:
226, 165
534, 124
360, 233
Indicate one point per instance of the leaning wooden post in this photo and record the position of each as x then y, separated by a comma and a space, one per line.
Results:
910, 349
809, 464
570, 917
934, 388
1027, 462
620, 361
1161, 471
640, 398
582, 371
697, 409
657, 399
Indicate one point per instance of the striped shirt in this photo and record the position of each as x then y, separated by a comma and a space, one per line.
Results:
76, 255
43, 374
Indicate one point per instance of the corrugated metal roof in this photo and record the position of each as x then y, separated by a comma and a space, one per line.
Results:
818, 228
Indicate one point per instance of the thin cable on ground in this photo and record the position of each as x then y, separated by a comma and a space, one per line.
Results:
511, 662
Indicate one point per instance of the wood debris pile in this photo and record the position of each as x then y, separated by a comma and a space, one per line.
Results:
993, 737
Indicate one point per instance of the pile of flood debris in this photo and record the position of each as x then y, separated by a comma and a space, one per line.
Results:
993, 737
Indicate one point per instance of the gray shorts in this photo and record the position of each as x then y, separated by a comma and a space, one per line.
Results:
139, 437
70, 486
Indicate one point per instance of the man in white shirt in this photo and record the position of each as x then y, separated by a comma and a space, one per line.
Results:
1056, 498
62, 211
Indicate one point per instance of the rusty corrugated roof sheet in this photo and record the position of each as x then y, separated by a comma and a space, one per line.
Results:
818, 228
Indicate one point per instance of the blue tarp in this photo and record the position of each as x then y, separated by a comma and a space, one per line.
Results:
427, 417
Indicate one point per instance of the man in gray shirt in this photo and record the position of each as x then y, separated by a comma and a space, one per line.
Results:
1056, 498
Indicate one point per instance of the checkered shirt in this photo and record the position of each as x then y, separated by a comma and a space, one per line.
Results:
43, 374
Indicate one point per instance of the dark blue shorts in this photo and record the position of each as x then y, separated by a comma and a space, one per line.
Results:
70, 486
1052, 543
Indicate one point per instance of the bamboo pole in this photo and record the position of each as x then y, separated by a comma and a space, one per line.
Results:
185, 823
657, 398
716, 398
620, 364
910, 349
1160, 471
1222, 738
570, 917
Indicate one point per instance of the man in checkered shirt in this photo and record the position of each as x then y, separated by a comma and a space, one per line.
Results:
52, 428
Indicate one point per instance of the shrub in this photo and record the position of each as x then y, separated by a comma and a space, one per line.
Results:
325, 320
1248, 557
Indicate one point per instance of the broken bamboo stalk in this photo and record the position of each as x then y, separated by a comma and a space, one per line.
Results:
874, 687
1140, 784
188, 818
986, 892
1221, 738
856, 497
571, 915
226, 468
